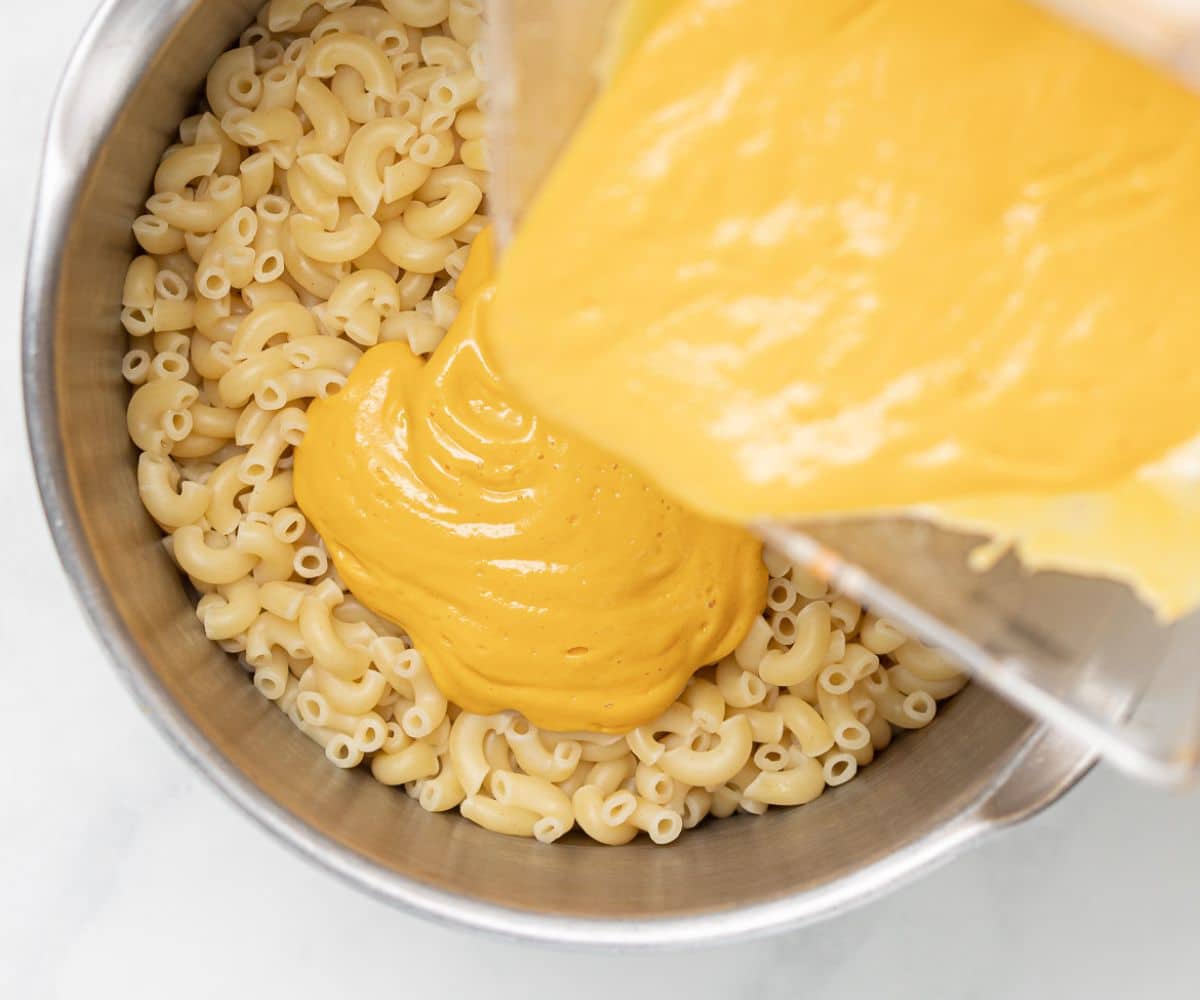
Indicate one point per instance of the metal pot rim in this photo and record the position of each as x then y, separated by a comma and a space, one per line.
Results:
1041, 770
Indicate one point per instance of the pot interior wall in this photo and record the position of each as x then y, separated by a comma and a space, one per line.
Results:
917, 786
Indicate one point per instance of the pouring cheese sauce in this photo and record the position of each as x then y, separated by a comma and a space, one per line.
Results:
854, 256
532, 569
801, 259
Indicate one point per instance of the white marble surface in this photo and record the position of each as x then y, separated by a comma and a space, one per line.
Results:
124, 875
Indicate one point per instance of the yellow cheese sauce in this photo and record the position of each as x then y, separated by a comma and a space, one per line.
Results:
836, 256
865, 255
532, 569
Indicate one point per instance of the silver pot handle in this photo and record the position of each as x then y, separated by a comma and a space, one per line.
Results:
1049, 765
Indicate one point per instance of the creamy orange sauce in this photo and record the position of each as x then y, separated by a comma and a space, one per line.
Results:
532, 569
875, 255
840, 256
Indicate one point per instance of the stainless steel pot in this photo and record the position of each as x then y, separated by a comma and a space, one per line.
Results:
982, 765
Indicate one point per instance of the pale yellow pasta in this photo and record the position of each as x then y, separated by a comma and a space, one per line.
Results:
707, 703
327, 172
644, 741
310, 276
411, 252
205, 563
314, 707
208, 130
168, 364
908, 682
288, 525
807, 652
151, 406
419, 79
295, 383
390, 136
806, 724
169, 284
740, 688
351, 240
270, 631
274, 557
258, 177
271, 676
295, 52
325, 202
157, 487
531, 754
475, 153
220, 90
311, 198
715, 766
407, 668
264, 293
330, 123
370, 733
215, 319
173, 314
283, 598
438, 220
661, 824
268, 53
311, 560
881, 731
353, 697
240, 383
467, 736
156, 236
276, 492
286, 429
536, 795
185, 165
135, 366
197, 446
442, 791
361, 106
587, 804
491, 815
326, 647
196, 244
433, 149
766, 725
653, 784
469, 123
421, 332
378, 25
418, 13
858, 661
271, 321
286, 15
792, 786
879, 635
276, 130
279, 85
199, 215
753, 647
926, 663
838, 712
359, 53
341, 750
231, 610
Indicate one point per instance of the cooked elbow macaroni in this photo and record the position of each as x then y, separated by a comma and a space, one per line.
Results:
322, 202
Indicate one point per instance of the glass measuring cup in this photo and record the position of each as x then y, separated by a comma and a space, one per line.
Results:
1083, 654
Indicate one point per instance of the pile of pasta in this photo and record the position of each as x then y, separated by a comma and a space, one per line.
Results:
324, 201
